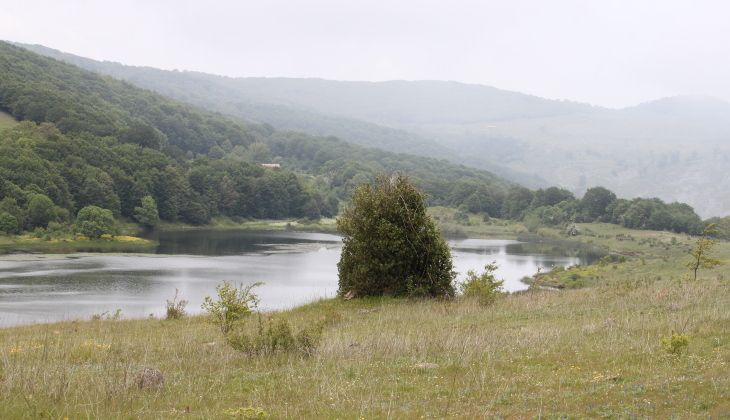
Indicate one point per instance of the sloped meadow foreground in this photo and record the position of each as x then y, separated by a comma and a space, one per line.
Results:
643, 341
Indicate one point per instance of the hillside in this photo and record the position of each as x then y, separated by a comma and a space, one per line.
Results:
104, 142
288, 110
674, 148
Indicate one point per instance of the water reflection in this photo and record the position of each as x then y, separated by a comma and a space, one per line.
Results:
296, 268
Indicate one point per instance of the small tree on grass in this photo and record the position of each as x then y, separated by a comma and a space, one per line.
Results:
391, 245
483, 287
93, 221
701, 254
233, 304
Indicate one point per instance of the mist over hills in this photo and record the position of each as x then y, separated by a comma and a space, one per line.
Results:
673, 148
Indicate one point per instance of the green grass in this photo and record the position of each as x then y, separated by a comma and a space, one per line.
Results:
6, 120
474, 226
639, 254
68, 243
593, 352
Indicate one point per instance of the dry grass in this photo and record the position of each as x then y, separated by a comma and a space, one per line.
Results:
581, 353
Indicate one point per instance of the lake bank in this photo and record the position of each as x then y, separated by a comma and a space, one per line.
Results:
27, 244
135, 239
593, 352
295, 267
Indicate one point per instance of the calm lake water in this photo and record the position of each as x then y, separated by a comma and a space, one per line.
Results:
295, 267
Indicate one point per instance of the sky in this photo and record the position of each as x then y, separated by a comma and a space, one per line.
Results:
611, 53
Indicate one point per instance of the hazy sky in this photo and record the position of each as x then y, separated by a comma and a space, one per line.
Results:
607, 52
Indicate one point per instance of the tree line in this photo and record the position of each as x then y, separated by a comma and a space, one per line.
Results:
91, 140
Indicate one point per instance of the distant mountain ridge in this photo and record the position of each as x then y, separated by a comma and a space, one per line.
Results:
674, 148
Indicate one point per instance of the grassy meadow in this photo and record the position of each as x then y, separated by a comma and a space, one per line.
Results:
589, 350
69, 243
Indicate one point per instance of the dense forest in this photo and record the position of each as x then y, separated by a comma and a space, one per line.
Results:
91, 140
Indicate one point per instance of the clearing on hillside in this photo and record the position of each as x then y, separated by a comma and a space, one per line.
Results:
6, 120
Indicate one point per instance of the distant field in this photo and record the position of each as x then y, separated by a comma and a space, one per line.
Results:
6, 120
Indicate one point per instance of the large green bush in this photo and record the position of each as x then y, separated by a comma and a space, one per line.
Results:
391, 245
95, 221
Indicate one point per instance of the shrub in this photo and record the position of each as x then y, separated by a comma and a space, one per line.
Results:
276, 336
484, 287
391, 245
176, 308
233, 304
93, 221
8, 224
675, 344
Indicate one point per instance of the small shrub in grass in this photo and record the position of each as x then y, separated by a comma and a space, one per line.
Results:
675, 344
246, 413
233, 304
276, 336
484, 287
176, 308
109, 316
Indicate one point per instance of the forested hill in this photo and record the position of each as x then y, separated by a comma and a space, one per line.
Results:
672, 148
105, 142
285, 104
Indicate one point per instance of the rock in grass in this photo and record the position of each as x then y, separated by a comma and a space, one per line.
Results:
149, 378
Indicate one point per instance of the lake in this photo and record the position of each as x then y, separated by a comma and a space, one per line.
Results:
296, 268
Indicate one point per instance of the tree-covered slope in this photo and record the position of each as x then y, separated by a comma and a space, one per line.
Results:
264, 101
104, 142
673, 148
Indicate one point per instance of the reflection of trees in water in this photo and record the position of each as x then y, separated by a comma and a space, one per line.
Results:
587, 254
206, 242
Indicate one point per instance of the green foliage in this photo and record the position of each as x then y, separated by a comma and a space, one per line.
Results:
595, 202
675, 343
484, 287
175, 309
233, 305
147, 214
10, 206
391, 246
105, 143
277, 336
41, 210
516, 202
246, 413
8, 224
702, 252
93, 222
551, 196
